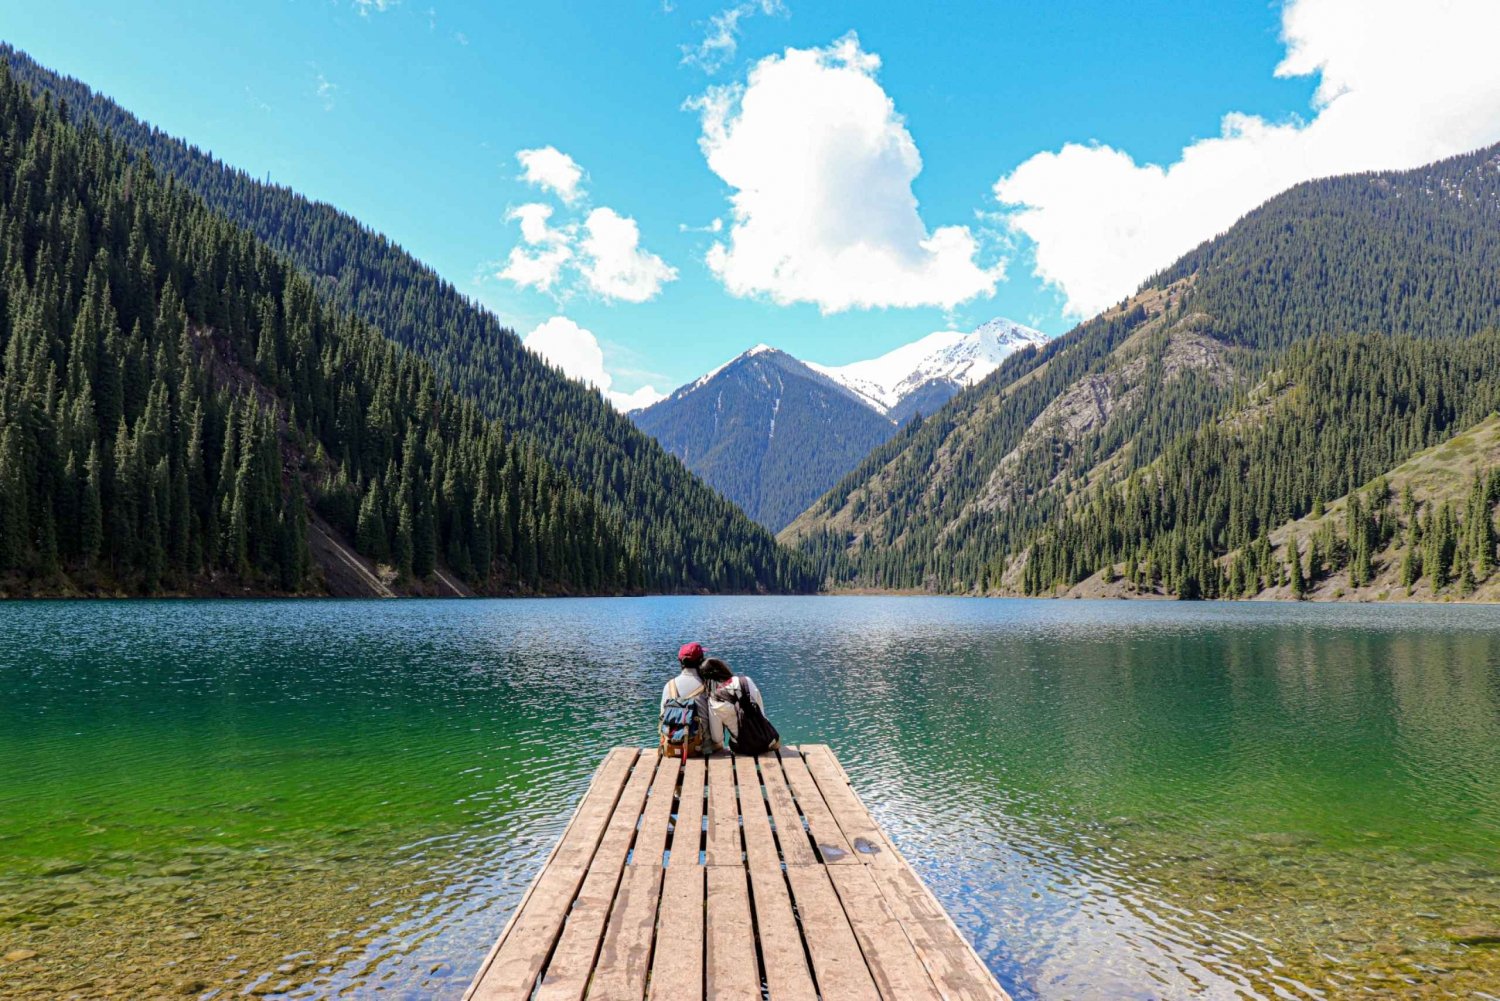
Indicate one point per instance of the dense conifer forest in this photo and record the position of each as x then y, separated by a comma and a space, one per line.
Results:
1324, 338
1342, 412
679, 533
174, 398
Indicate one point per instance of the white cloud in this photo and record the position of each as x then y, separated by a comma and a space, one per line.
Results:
614, 264
551, 170
539, 268
603, 251
326, 90
822, 208
638, 400
380, 6
1401, 83
576, 351
723, 38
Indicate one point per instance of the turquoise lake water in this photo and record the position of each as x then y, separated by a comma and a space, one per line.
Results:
319, 799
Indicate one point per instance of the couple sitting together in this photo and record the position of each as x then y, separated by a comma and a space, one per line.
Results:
706, 708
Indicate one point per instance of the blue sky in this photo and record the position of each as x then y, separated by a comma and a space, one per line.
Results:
410, 115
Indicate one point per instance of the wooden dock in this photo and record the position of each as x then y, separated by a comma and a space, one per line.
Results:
731, 878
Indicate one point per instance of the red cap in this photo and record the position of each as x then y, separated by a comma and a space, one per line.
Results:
690, 652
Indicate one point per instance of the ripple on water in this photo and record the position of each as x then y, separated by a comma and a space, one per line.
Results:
1114, 800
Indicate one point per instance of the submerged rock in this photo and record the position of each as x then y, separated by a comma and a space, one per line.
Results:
1475, 934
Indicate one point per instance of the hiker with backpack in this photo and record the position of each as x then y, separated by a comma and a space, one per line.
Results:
684, 729
737, 713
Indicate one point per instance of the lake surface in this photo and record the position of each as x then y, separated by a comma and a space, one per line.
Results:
1113, 799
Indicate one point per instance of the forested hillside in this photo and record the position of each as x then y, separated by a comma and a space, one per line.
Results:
1340, 413
767, 431
684, 535
1257, 371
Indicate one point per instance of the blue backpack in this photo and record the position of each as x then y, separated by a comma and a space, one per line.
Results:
682, 723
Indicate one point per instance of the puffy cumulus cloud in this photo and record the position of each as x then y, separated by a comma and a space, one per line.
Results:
722, 39
576, 351
822, 211
1400, 84
552, 170
638, 400
602, 252
539, 262
614, 264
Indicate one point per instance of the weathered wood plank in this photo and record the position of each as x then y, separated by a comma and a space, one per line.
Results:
951, 962
677, 961
625, 956
760, 843
790, 834
567, 974
687, 830
511, 969
731, 968
893, 961
723, 845
783, 954
864, 835
651, 842
837, 961
833, 847
763, 903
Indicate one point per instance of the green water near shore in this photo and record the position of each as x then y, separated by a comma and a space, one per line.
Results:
1114, 800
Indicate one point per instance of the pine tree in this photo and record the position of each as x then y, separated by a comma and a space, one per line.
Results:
1294, 569
371, 538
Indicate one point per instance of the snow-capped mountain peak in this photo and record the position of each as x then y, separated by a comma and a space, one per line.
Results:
950, 356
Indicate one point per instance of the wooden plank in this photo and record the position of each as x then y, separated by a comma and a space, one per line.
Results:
567, 974
951, 962
731, 968
837, 961
511, 968
889, 954
651, 842
790, 834
832, 845
579, 847
950, 959
760, 843
723, 845
677, 961
864, 835
687, 831
783, 954
625, 956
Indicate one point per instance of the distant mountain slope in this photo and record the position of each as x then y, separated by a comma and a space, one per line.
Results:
773, 433
956, 501
766, 431
688, 537
922, 376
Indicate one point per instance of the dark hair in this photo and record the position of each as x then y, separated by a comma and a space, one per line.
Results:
714, 669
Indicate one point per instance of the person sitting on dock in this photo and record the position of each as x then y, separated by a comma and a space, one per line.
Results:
684, 727
737, 713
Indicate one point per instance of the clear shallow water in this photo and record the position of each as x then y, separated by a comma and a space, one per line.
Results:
1114, 800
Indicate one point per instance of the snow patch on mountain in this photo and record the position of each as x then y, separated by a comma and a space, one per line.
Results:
944, 356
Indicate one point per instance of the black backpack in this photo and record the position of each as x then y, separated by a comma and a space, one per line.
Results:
755, 734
